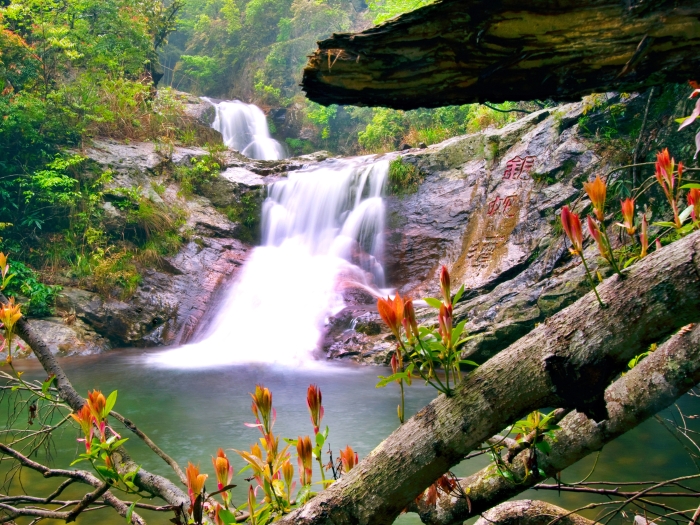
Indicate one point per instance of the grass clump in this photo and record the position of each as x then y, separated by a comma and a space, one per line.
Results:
404, 178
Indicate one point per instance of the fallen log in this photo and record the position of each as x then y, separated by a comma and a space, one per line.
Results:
651, 386
459, 52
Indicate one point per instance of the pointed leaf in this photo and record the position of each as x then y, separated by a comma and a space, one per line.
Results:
111, 401
435, 303
458, 295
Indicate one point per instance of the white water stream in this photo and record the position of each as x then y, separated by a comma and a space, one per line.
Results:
322, 227
244, 128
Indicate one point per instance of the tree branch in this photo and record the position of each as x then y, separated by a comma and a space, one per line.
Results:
152, 483
81, 476
530, 512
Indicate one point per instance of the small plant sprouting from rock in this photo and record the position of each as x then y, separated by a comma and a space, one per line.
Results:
404, 178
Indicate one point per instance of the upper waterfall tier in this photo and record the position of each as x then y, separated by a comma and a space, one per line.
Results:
244, 128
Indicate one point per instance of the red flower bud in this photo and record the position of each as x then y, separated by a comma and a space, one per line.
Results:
313, 401
445, 285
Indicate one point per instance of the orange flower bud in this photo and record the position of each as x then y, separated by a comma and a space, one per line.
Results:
262, 409
313, 401
694, 201
97, 403
665, 172
597, 236
9, 315
572, 227
349, 459
195, 482
596, 192
304, 458
628, 216
84, 419
288, 473
445, 324
223, 469
391, 312
409, 320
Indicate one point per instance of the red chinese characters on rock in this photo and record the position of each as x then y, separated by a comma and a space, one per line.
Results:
481, 252
518, 168
502, 206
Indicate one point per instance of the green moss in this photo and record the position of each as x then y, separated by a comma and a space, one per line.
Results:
404, 178
246, 212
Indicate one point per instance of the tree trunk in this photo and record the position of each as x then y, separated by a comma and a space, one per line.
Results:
567, 362
651, 386
465, 51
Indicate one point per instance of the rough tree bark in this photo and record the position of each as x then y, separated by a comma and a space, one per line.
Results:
464, 51
651, 386
529, 512
567, 362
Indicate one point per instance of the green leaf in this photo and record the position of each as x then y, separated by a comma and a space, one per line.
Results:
458, 295
47, 384
111, 401
665, 224
106, 472
227, 516
389, 379
683, 216
320, 440
630, 261
686, 229
543, 446
457, 331
130, 511
691, 186
435, 303
292, 442
468, 362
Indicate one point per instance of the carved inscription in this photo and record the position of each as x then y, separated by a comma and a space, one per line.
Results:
502, 206
518, 168
480, 253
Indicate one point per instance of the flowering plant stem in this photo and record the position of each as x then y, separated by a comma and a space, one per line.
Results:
591, 281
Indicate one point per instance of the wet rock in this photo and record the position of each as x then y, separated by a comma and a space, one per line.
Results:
65, 336
169, 303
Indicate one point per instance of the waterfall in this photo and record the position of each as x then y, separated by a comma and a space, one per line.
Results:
322, 227
244, 128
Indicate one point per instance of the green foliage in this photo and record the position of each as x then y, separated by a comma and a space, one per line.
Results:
200, 173
404, 178
383, 10
27, 283
247, 213
299, 146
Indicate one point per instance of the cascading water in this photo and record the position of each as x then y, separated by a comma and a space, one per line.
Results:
322, 228
244, 128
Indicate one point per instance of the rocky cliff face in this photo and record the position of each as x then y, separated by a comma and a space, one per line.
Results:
487, 209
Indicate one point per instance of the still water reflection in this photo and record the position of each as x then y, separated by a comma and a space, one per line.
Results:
190, 413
